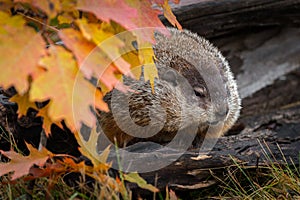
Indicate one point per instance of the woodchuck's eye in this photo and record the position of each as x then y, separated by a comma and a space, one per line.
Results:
200, 91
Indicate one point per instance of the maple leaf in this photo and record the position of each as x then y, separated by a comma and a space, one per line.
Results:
118, 11
89, 148
6, 5
70, 93
20, 164
65, 18
108, 42
131, 14
169, 14
47, 121
147, 20
23, 103
130, 53
146, 55
69, 6
50, 7
19, 53
91, 59
163, 1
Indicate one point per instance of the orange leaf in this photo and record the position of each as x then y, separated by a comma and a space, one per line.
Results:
106, 41
47, 121
159, 2
137, 14
105, 10
23, 103
91, 59
169, 15
20, 50
46, 171
147, 18
50, 7
20, 164
71, 94
6, 5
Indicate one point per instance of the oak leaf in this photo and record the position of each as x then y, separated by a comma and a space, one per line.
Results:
19, 53
89, 147
135, 178
47, 170
70, 93
20, 164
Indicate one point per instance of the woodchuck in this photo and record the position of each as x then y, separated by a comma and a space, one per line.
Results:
188, 66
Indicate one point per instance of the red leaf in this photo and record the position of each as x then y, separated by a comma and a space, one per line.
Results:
20, 164
107, 10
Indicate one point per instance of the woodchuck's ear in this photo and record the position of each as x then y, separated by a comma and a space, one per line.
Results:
171, 77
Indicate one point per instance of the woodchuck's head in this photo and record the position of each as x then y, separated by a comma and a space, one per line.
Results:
212, 90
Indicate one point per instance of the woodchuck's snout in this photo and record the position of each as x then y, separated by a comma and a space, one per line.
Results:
188, 93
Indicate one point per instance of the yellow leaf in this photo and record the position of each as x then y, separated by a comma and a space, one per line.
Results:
170, 15
91, 59
6, 5
50, 7
20, 50
146, 55
11, 22
106, 41
69, 6
130, 53
23, 103
65, 19
47, 121
135, 178
104, 155
89, 148
71, 94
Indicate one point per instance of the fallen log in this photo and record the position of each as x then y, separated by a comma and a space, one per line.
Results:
261, 40
212, 18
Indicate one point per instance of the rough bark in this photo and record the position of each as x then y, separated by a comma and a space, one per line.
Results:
212, 18
261, 40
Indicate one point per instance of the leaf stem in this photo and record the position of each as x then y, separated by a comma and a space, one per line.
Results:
35, 20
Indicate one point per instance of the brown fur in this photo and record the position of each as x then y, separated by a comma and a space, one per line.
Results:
181, 86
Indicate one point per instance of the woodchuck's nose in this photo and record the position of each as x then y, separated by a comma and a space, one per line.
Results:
218, 116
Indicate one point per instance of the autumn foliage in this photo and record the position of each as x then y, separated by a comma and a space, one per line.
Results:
33, 61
